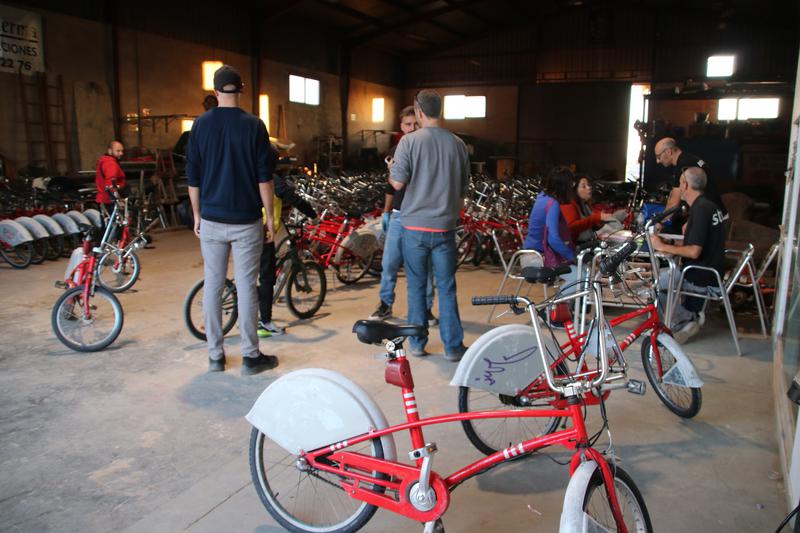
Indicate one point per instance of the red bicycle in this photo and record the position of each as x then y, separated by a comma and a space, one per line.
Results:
87, 317
323, 458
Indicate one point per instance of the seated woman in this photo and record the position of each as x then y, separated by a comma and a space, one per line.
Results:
547, 225
581, 219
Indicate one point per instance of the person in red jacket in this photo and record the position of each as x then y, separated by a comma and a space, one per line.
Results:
581, 219
108, 169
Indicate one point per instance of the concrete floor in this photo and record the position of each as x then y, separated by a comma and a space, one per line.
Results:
140, 438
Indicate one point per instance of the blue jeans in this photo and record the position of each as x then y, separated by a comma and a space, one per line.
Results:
393, 260
422, 251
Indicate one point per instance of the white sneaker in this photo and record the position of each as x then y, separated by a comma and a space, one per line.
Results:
686, 332
269, 329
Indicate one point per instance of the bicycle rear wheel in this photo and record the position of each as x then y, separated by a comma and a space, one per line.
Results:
304, 499
117, 272
352, 268
466, 245
592, 505
305, 289
40, 249
87, 331
55, 247
683, 401
18, 256
193, 309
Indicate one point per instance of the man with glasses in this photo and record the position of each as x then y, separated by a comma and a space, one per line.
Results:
432, 165
669, 155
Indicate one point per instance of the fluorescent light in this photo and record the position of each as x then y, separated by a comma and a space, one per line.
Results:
186, 124
209, 68
454, 106
475, 106
719, 66
297, 89
377, 109
263, 109
758, 108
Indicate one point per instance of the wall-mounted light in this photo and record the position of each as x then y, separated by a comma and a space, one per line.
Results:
186, 124
263, 109
377, 109
209, 68
719, 66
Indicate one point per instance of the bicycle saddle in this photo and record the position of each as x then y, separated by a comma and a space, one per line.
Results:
375, 332
536, 274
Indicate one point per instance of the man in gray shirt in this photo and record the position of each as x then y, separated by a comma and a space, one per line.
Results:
433, 165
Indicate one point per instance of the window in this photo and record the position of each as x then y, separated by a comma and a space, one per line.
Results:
458, 106
377, 109
209, 68
747, 108
303, 90
719, 66
636, 112
186, 124
263, 109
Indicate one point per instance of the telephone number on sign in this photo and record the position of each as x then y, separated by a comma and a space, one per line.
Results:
18, 64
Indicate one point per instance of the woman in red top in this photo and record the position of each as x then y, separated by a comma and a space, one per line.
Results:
581, 219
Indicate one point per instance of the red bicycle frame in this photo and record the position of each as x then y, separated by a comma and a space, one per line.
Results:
367, 478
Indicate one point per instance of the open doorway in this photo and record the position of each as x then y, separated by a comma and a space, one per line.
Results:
637, 111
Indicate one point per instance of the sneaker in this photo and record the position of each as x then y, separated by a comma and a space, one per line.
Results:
456, 355
432, 320
269, 329
216, 365
254, 365
686, 331
383, 312
418, 352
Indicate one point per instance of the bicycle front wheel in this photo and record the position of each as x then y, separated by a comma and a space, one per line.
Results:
683, 401
596, 509
193, 309
306, 288
87, 326
19, 256
118, 272
304, 499
491, 435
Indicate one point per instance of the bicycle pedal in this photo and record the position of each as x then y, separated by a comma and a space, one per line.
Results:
636, 387
60, 284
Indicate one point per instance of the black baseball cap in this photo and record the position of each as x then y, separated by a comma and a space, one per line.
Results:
227, 75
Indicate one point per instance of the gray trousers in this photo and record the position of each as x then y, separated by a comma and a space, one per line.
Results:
681, 315
216, 242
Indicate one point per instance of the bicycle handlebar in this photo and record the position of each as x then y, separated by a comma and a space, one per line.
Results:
494, 300
609, 265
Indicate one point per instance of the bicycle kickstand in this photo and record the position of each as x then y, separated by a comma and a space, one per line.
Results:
436, 526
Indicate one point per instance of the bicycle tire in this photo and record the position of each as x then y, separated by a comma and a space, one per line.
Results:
494, 434
113, 275
68, 316
590, 501
301, 281
55, 247
465, 247
345, 271
19, 256
193, 303
39, 251
683, 401
300, 519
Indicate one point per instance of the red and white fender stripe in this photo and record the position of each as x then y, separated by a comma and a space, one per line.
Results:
514, 451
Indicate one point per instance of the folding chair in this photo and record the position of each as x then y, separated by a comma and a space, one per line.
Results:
513, 270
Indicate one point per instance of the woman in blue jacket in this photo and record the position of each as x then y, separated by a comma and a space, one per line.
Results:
557, 189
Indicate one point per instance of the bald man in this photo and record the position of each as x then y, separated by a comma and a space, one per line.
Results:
670, 155
108, 171
703, 245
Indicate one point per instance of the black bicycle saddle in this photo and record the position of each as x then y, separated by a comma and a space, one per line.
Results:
375, 332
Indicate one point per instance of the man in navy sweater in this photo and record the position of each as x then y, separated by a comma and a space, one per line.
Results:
229, 168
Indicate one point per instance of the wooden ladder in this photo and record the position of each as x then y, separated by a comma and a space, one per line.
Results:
46, 127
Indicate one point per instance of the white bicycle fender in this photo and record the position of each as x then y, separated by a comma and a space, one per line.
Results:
79, 217
95, 216
503, 360
52, 227
14, 233
309, 408
66, 222
36, 229
573, 519
683, 374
